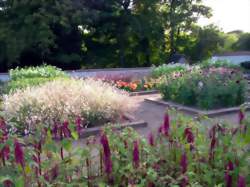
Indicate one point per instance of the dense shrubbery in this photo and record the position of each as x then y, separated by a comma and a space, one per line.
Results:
33, 76
54, 102
45, 71
205, 88
245, 65
183, 153
167, 69
217, 64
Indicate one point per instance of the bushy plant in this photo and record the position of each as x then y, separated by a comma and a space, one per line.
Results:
167, 69
32, 76
64, 99
45, 71
205, 88
217, 64
245, 65
183, 153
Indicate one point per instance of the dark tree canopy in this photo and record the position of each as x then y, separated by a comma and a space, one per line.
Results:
107, 33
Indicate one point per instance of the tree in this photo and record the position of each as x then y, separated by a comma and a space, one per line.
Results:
201, 42
209, 41
126, 31
179, 16
39, 28
243, 42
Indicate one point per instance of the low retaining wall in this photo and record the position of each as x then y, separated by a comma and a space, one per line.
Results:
112, 73
195, 111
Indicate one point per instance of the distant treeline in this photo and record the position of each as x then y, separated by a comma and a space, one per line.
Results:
75, 34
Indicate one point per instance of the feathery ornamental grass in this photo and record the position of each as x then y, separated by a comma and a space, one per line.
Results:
65, 100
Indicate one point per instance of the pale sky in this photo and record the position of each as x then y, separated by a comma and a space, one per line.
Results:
229, 14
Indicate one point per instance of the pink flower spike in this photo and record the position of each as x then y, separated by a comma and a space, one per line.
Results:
19, 154
228, 176
65, 129
8, 183
241, 181
184, 163
241, 116
78, 123
136, 154
184, 181
166, 124
151, 139
160, 130
189, 135
107, 154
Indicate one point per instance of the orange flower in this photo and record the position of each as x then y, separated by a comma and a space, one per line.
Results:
133, 86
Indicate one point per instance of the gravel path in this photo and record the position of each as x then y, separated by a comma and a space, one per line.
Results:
153, 114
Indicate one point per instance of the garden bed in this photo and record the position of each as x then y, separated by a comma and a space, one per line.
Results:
147, 92
96, 130
193, 110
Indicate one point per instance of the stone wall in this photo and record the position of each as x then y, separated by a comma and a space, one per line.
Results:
113, 73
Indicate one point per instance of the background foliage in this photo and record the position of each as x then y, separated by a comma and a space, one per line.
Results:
73, 34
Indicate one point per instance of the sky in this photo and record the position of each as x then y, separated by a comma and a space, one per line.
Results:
229, 14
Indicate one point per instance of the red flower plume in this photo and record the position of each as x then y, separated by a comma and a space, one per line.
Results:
19, 154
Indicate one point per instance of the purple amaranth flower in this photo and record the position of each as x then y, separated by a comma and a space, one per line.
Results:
184, 163
125, 144
189, 135
78, 123
54, 131
151, 184
228, 176
107, 154
19, 154
151, 139
37, 157
54, 172
3, 128
160, 130
212, 131
166, 124
184, 181
136, 154
212, 147
5, 153
241, 181
8, 183
241, 116
65, 129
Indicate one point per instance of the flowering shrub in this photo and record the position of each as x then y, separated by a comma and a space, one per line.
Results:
134, 86
205, 88
33, 76
217, 64
167, 69
183, 153
62, 100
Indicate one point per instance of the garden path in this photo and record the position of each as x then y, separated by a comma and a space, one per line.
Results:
153, 114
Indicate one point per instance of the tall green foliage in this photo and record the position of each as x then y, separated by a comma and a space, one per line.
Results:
179, 16
111, 33
35, 31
